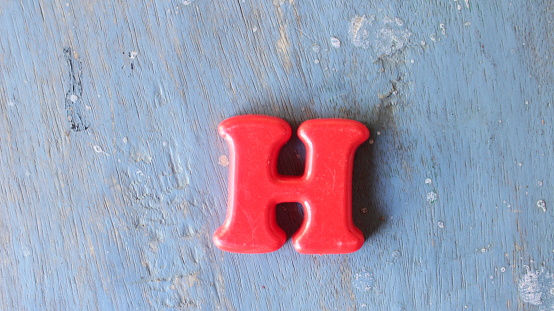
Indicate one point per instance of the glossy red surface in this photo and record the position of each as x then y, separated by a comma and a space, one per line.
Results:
256, 187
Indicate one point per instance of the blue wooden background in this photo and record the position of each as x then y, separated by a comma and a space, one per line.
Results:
113, 177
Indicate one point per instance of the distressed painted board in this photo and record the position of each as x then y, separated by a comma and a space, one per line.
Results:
113, 177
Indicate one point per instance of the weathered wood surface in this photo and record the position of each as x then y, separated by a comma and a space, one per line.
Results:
110, 184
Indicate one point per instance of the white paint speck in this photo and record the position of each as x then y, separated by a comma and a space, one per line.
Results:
187, 2
255, 29
125, 140
428, 181
432, 197
335, 42
527, 102
520, 164
440, 224
73, 98
26, 251
99, 149
503, 269
363, 280
223, 160
133, 54
542, 205
443, 29
467, 24
397, 20
383, 35
459, 7
378, 133
539, 183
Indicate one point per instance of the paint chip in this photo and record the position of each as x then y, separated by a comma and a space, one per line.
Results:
542, 205
428, 181
223, 160
536, 288
432, 197
383, 35
335, 42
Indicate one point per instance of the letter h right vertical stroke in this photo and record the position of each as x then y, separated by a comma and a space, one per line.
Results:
256, 187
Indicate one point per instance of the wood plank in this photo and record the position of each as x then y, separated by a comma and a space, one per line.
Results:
110, 187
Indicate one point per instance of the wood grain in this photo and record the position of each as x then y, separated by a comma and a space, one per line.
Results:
110, 186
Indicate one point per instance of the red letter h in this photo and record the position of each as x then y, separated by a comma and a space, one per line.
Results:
256, 187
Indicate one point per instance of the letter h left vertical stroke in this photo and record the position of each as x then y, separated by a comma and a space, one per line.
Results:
256, 187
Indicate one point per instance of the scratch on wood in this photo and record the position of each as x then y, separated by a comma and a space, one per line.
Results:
283, 44
73, 98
